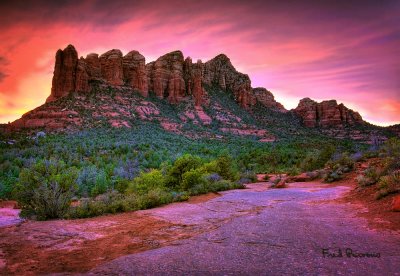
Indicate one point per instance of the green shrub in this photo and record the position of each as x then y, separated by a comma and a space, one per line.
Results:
370, 176
317, 160
45, 190
153, 198
183, 164
194, 177
336, 168
343, 163
101, 184
216, 186
389, 184
146, 182
391, 148
248, 177
226, 168
121, 185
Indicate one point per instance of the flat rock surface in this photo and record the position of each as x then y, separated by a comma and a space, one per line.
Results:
9, 216
262, 231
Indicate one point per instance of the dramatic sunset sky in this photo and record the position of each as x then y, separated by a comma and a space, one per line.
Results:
346, 50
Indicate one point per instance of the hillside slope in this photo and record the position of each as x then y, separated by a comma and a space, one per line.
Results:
194, 99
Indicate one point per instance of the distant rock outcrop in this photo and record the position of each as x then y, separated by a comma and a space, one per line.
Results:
266, 98
326, 114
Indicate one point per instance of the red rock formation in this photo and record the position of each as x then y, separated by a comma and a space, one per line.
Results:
166, 77
93, 66
48, 118
111, 67
82, 77
170, 76
266, 98
326, 114
135, 74
64, 73
220, 71
196, 78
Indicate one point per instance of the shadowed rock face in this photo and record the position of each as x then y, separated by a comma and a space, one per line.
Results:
266, 98
64, 73
170, 76
220, 71
111, 67
135, 74
326, 114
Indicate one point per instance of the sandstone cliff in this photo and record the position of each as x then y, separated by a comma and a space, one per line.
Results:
171, 77
326, 114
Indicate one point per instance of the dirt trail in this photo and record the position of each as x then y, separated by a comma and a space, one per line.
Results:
251, 231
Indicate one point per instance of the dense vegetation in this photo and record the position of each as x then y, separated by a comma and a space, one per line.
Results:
110, 170
384, 172
140, 167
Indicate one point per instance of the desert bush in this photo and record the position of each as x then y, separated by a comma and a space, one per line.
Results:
370, 176
317, 159
92, 181
182, 165
315, 174
45, 190
333, 176
336, 168
389, 184
391, 148
153, 198
194, 177
121, 185
146, 182
214, 177
109, 203
343, 162
357, 156
226, 168
248, 177
216, 186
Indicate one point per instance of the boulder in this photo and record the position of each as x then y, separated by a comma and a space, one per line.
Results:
281, 183
396, 204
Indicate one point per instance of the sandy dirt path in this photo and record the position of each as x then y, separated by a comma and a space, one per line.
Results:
257, 231
261, 231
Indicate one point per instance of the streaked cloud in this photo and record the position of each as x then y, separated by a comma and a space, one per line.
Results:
347, 50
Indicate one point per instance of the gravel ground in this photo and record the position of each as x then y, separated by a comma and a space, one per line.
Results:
262, 231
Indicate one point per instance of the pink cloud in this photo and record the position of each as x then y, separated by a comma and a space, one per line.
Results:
323, 51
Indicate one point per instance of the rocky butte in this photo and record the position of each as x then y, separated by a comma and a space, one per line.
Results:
326, 114
171, 77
